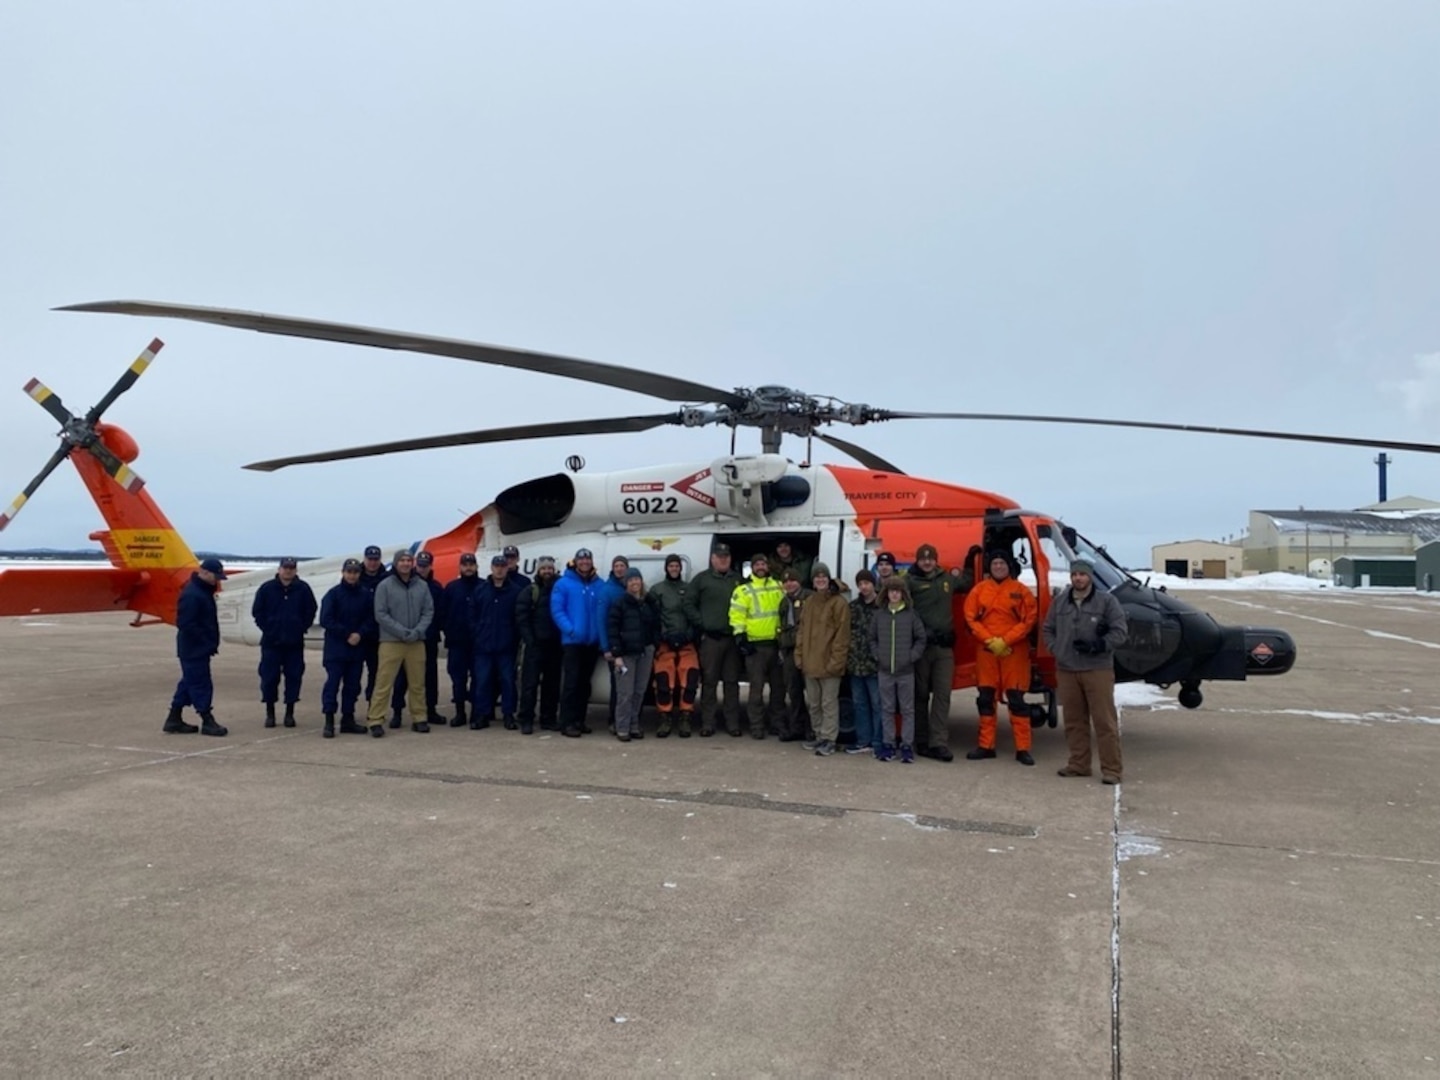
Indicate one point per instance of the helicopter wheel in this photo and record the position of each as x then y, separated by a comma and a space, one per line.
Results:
1044, 715
1190, 695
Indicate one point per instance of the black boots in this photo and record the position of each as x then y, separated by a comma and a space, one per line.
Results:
458, 720
329, 730
269, 714
433, 716
176, 726
348, 726
289, 714
208, 726
980, 753
395, 720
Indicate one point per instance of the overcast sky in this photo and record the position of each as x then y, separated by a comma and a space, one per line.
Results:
1199, 213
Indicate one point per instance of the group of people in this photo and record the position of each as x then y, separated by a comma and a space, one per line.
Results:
529, 648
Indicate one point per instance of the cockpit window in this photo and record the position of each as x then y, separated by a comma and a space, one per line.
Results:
1069, 544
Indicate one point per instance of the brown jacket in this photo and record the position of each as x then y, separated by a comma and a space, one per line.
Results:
823, 643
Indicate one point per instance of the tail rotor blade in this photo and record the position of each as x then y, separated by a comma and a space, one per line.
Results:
30, 488
127, 380
121, 473
48, 400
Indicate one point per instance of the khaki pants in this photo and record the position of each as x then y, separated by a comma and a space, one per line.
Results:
1087, 699
823, 697
393, 656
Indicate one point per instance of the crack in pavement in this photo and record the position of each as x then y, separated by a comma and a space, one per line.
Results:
743, 800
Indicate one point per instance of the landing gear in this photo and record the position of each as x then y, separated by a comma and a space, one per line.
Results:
1190, 695
1045, 715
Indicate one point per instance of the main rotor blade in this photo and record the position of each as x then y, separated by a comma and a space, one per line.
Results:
665, 387
14, 508
859, 453
1334, 440
126, 380
608, 426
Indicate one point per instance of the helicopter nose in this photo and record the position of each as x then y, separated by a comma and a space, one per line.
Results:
1268, 651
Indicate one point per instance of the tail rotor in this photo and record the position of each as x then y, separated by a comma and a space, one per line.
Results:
84, 433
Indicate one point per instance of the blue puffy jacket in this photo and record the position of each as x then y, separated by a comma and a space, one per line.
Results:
575, 604
345, 610
283, 612
197, 623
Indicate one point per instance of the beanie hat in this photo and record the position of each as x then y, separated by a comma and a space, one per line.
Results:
673, 558
926, 551
1083, 563
864, 575
633, 574
820, 568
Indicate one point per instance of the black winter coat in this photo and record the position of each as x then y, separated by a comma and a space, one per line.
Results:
197, 623
632, 624
345, 610
533, 617
283, 612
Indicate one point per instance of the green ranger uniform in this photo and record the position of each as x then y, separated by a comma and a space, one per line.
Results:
931, 596
707, 608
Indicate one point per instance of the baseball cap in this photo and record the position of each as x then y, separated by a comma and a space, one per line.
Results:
584, 553
215, 567
545, 560
467, 559
288, 563
372, 552
720, 549
759, 556
511, 551
350, 564
499, 560
424, 558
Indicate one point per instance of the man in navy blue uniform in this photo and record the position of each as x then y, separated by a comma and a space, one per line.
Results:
372, 572
457, 611
495, 641
197, 639
284, 609
348, 615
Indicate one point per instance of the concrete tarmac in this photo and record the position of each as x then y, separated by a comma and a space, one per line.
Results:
1260, 898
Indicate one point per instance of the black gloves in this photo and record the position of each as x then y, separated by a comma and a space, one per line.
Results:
742, 642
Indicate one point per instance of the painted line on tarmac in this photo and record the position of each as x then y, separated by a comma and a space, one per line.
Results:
742, 800
1343, 626
1294, 852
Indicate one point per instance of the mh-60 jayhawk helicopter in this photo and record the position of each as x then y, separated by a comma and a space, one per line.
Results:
840, 515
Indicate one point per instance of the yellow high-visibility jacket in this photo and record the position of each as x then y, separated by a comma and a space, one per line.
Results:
755, 608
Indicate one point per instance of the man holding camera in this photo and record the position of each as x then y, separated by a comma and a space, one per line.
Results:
1082, 629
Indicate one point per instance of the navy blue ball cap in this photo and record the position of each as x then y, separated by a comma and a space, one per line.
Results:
372, 552
214, 566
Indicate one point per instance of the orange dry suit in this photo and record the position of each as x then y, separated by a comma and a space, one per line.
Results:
1001, 615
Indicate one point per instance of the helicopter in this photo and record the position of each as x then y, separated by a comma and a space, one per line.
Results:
842, 515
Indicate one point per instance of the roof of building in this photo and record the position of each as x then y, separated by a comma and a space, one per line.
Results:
1420, 524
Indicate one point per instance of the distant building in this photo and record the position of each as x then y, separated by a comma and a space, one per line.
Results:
1197, 559
1311, 541
1375, 571
1427, 567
